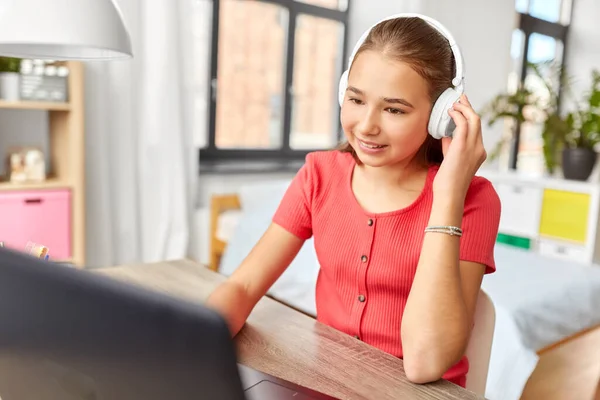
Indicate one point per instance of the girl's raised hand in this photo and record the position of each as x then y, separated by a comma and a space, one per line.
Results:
463, 153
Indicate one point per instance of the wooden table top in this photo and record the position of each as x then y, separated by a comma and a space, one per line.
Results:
285, 343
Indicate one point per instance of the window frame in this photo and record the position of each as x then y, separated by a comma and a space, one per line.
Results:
211, 153
529, 25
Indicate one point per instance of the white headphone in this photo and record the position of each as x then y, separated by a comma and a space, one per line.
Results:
440, 124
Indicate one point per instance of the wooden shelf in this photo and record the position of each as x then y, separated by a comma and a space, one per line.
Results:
51, 183
66, 153
35, 105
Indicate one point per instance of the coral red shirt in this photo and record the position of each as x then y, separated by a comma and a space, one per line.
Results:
368, 261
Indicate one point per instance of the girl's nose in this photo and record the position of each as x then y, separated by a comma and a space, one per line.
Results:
368, 125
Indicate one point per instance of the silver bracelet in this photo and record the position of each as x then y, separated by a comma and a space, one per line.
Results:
449, 230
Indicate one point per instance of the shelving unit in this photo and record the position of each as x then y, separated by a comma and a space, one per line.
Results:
35, 105
67, 149
549, 216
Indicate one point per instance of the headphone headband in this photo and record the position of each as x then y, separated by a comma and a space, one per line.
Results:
458, 80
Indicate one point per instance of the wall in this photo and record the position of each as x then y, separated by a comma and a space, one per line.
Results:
483, 30
364, 13
583, 51
23, 128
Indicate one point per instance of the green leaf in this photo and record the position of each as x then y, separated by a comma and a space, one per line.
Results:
595, 99
10, 64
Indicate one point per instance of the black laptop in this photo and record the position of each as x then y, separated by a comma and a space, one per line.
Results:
68, 334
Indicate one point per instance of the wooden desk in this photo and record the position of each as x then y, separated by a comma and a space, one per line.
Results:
285, 343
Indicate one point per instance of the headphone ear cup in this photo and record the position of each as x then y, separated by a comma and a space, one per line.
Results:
342, 87
440, 123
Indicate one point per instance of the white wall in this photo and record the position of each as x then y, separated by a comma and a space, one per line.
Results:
23, 128
365, 13
583, 46
483, 30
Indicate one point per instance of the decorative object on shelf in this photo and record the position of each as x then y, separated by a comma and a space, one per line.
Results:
26, 165
44, 81
9, 78
37, 250
569, 138
63, 30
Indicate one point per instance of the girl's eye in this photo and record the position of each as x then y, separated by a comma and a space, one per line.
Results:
395, 111
355, 101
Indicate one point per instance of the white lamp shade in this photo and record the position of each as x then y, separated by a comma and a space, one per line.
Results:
63, 30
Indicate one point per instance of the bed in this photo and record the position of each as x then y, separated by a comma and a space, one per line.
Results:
540, 302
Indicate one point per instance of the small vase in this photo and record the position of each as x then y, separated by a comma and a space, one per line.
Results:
10, 86
578, 163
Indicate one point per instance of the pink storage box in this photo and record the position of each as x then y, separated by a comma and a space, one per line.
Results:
40, 216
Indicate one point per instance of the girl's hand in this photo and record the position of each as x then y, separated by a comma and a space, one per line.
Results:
463, 153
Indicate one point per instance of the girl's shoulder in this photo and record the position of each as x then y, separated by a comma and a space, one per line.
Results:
325, 173
329, 159
329, 164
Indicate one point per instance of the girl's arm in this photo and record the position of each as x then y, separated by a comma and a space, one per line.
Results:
236, 297
438, 316
439, 311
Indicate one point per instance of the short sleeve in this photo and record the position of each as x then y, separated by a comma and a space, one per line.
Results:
480, 224
294, 211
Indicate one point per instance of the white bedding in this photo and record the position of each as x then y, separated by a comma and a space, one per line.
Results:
549, 299
538, 300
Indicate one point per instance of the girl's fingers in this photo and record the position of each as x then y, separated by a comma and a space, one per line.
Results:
474, 122
465, 100
467, 111
461, 124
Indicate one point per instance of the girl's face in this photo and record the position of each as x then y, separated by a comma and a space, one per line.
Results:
385, 110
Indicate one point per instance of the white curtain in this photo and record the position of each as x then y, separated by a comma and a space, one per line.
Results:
141, 164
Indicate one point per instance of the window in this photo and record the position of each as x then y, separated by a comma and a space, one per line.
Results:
275, 66
541, 36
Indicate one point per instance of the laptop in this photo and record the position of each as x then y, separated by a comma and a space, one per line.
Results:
70, 334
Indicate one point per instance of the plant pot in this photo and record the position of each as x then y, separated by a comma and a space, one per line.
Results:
10, 86
578, 163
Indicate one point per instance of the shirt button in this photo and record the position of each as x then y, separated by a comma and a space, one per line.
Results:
361, 298
363, 258
370, 222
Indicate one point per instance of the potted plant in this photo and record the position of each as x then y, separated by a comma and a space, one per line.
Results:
511, 106
568, 138
10, 69
578, 133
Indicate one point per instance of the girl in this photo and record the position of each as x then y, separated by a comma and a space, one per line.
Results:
387, 210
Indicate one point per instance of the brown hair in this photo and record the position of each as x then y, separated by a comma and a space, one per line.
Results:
415, 42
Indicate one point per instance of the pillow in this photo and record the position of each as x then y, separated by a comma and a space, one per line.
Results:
253, 195
259, 201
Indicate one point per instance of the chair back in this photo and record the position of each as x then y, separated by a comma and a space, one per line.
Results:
480, 344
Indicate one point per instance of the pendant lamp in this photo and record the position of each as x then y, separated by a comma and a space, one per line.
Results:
63, 30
